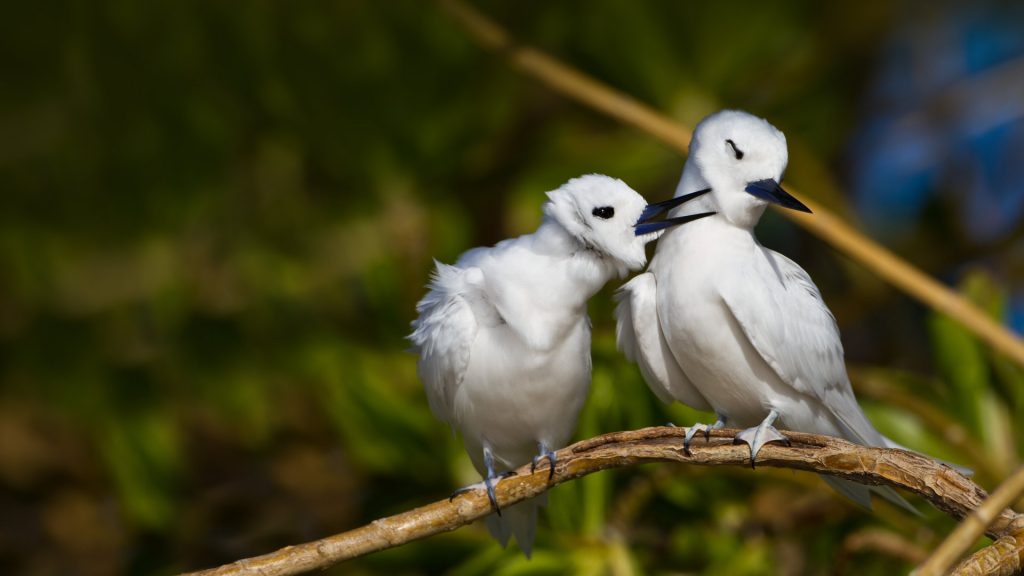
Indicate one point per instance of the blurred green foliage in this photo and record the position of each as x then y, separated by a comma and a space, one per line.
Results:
216, 221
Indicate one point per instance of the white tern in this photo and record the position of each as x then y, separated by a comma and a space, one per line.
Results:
504, 338
723, 324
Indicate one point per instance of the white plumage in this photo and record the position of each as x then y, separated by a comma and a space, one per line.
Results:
504, 338
722, 323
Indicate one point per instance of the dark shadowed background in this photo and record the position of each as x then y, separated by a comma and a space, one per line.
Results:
216, 219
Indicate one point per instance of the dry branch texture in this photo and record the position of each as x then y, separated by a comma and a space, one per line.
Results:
944, 487
1004, 557
961, 539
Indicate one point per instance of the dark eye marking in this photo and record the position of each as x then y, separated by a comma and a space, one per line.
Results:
737, 151
605, 212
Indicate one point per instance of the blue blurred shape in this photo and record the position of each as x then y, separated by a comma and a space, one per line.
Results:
945, 121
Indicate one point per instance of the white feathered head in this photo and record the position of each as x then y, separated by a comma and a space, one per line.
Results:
600, 212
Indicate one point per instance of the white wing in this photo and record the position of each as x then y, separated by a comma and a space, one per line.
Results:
443, 334
789, 325
639, 336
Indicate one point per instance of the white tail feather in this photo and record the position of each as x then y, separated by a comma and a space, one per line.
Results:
519, 520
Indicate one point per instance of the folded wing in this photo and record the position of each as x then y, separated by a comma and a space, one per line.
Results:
443, 334
795, 333
639, 336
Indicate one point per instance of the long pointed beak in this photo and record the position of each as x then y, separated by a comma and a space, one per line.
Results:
770, 190
643, 228
653, 210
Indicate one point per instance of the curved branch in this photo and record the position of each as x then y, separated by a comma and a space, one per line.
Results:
945, 488
1002, 558
961, 539
574, 84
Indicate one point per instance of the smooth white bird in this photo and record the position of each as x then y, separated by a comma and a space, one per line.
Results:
723, 324
504, 338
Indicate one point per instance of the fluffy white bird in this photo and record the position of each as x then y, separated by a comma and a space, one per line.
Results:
504, 338
723, 324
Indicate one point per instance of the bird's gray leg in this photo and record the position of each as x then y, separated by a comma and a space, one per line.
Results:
698, 427
488, 482
760, 435
549, 455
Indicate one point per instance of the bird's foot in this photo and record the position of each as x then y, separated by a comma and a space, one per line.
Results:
489, 481
545, 454
699, 427
488, 484
760, 435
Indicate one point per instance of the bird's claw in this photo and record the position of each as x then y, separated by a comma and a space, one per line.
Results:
760, 435
548, 455
691, 432
461, 491
488, 484
699, 427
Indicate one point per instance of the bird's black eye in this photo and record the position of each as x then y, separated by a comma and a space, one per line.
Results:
605, 212
737, 151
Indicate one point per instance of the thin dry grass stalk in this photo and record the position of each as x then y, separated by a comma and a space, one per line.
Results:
945, 488
961, 539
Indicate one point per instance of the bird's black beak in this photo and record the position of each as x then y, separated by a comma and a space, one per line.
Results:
645, 226
770, 190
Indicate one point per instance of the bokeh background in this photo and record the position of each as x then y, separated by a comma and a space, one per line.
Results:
216, 219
